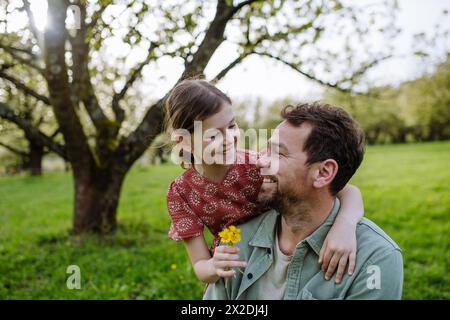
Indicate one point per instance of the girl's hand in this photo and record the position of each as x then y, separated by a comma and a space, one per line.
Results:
339, 248
225, 258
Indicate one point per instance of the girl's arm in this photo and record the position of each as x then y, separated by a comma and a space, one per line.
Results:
209, 269
340, 244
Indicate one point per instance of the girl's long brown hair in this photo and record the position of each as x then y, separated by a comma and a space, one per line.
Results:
192, 100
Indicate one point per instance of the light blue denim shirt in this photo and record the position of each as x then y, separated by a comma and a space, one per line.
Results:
378, 273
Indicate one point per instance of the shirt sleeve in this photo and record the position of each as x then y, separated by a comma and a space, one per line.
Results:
381, 278
184, 222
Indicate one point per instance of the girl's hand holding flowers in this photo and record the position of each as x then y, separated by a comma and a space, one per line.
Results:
227, 256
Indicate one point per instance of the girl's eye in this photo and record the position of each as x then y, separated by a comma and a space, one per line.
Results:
232, 126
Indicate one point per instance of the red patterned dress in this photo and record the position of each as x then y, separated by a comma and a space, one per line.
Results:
193, 201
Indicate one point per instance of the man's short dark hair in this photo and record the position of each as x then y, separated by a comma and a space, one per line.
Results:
334, 135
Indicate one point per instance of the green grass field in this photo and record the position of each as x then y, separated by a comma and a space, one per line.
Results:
406, 192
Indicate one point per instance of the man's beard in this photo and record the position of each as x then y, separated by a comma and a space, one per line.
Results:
282, 202
293, 209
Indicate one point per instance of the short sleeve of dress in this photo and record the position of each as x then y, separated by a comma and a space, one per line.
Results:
184, 222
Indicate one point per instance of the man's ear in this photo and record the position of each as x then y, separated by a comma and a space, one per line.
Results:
325, 173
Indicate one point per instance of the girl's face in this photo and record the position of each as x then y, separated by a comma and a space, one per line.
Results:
220, 134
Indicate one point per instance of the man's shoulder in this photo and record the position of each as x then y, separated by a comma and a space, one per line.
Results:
378, 261
371, 238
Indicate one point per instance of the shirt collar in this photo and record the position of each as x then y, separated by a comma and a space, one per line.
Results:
265, 235
316, 239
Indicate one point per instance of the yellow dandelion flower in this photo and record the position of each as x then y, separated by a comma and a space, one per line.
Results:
173, 266
225, 235
230, 235
235, 238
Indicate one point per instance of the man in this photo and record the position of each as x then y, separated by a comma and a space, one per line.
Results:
319, 148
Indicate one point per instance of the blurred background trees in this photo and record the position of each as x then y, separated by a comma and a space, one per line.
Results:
415, 111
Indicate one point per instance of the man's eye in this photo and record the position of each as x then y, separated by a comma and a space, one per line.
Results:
232, 126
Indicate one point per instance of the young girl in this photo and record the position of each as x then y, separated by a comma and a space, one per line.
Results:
221, 193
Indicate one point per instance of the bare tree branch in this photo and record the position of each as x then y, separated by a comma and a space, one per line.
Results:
225, 70
309, 76
7, 66
39, 137
29, 62
132, 146
135, 74
21, 50
14, 150
39, 121
336, 85
243, 4
21, 86
358, 73
55, 133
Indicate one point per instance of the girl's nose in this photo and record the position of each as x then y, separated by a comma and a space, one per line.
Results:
263, 161
232, 135
262, 153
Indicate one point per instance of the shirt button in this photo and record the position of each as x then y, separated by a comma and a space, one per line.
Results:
249, 276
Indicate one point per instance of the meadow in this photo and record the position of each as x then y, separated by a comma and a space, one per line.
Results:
405, 188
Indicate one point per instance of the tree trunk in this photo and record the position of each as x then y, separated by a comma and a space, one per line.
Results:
96, 200
33, 161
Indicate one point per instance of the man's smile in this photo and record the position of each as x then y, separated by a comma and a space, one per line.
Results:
269, 179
